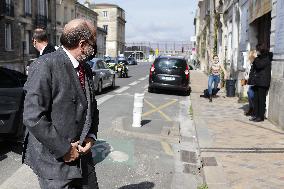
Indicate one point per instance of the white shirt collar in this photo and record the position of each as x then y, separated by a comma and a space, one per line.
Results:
73, 60
40, 52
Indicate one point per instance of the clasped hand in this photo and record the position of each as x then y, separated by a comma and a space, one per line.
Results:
76, 150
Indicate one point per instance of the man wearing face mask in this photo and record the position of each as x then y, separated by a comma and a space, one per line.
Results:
60, 112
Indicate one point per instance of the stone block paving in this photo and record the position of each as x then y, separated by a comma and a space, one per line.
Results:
250, 154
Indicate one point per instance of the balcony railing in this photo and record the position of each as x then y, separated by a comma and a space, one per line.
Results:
6, 9
41, 21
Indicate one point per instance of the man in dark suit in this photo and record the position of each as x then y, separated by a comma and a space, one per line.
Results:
60, 112
40, 42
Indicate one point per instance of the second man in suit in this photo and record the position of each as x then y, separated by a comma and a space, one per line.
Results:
40, 42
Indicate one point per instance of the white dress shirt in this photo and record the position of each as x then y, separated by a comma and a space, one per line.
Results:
40, 52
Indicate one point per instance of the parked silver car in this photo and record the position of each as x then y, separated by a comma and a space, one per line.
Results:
103, 76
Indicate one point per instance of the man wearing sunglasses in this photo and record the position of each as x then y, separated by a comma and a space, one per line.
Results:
60, 112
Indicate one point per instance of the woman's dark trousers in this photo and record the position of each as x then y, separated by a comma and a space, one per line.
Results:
260, 101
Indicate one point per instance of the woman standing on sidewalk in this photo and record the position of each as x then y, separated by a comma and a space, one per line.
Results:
262, 65
215, 72
250, 80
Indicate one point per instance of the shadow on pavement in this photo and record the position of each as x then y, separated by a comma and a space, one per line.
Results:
7, 146
171, 92
100, 151
245, 107
145, 122
142, 185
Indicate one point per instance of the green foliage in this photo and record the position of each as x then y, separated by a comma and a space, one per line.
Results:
190, 110
243, 100
203, 186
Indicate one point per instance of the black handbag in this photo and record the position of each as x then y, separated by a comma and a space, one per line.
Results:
252, 75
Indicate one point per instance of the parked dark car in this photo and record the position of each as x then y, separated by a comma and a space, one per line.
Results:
103, 76
170, 73
131, 61
11, 104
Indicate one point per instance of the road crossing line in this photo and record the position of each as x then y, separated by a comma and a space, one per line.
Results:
143, 78
118, 91
121, 89
134, 83
103, 99
158, 109
167, 148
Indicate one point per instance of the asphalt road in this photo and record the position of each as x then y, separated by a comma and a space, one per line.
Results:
126, 157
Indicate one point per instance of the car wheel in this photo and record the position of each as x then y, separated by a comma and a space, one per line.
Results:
100, 87
187, 93
150, 90
113, 82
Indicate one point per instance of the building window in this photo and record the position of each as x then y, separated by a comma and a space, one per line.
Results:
72, 14
8, 37
105, 14
28, 7
106, 28
41, 6
65, 15
27, 42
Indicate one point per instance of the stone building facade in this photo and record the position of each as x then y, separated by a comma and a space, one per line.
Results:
242, 24
112, 19
83, 11
276, 92
65, 11
17, 20
101, 42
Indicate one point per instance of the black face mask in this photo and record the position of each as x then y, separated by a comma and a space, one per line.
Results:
95, 52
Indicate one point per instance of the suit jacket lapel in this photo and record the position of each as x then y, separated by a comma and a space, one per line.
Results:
74, 78
88, 121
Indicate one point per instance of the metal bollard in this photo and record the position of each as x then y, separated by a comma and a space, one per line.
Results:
138, 109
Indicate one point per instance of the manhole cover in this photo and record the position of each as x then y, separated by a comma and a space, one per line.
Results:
189, 157
190, 169
209, 161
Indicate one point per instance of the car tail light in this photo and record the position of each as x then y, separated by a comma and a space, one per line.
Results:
152, 70
186, 72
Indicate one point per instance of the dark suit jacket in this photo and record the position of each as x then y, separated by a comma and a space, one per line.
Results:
57, 112
48, 49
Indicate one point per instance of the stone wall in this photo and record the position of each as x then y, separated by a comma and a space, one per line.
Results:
276, 92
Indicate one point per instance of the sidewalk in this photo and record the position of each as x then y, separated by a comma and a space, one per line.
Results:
235, 152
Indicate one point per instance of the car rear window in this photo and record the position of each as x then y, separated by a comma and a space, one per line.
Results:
166, 63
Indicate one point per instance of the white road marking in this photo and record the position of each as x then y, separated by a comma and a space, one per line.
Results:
103, 99
119, 156
121, 89
143, 78
134, 83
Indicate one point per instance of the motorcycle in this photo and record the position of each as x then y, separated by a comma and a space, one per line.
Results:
121, 69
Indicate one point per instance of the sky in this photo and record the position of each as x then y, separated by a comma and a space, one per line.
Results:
157, 20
